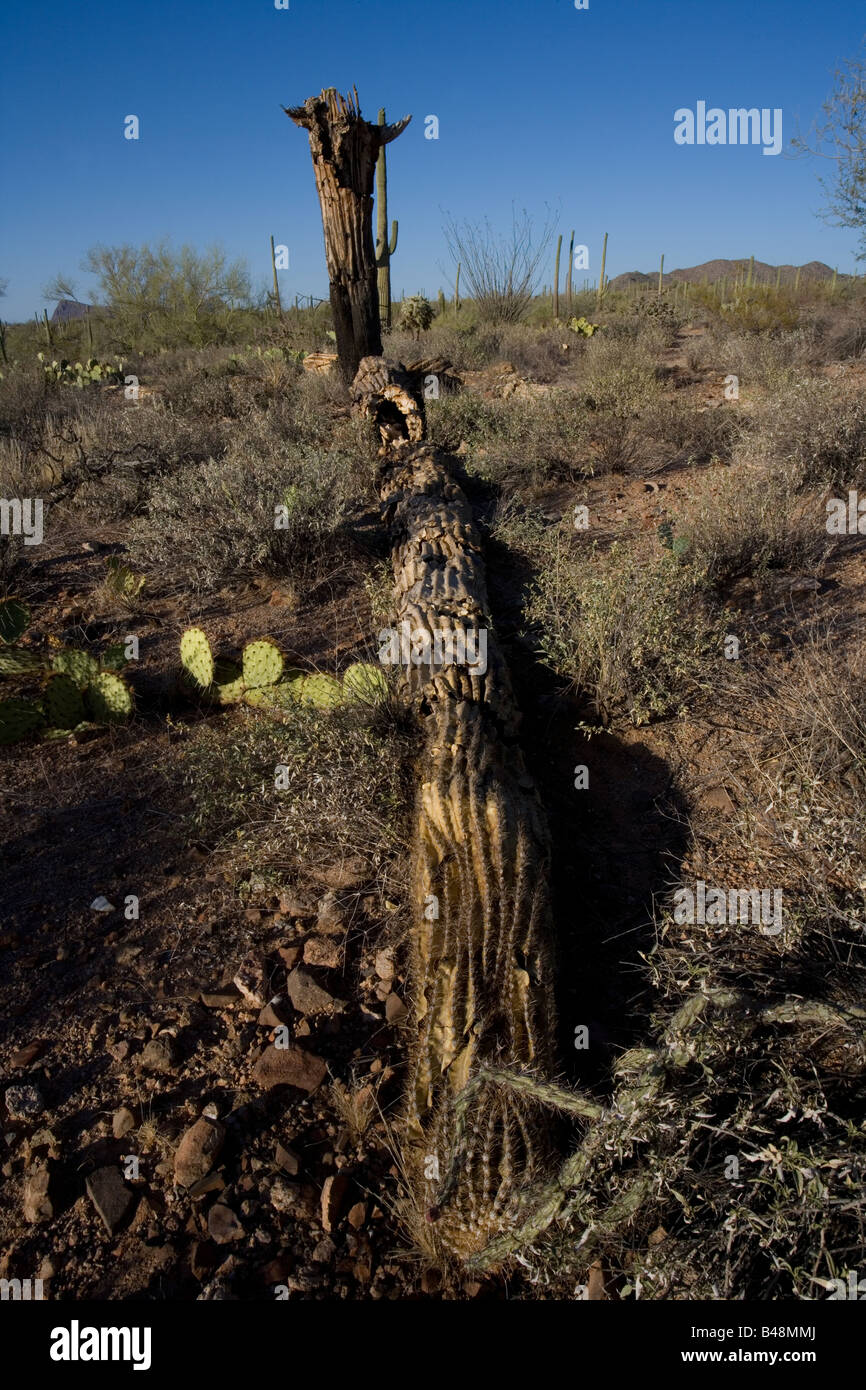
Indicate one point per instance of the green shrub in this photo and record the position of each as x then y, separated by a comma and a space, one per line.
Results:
629, 631
210, 522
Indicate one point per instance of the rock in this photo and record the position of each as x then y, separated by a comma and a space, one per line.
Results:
222, 998
289, 1066
348, 873
202, 1258
288, 1160
357, 1215
274, 1014
122, 1121
24, 1102
249, 980
333, 1195
718, 799
308, 997
111, 1197
212, 1183
101, 905
37, 1204
159, 1055
25, 1055
222, 1224
290, 954
198, 1151
330, 917
385, 965
324, 951
431, 1280
324, 1252
395, 1009
291, 905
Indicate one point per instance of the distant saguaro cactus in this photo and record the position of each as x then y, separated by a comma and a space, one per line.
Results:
384, 248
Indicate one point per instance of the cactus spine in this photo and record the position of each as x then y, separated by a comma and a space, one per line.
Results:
384, 248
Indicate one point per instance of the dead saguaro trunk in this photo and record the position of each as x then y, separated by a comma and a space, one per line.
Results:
345, 149
481, 953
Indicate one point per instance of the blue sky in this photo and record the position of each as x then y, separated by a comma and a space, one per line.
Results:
540, 106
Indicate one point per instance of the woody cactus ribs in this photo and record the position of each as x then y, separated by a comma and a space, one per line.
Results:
481, 939
345, 150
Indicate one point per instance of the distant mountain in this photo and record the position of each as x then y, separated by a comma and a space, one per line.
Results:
713, 271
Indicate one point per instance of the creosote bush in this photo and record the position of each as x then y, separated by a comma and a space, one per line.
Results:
210, 522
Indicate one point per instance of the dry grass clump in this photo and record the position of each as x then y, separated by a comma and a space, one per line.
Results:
336, 761
814, 431
746, 520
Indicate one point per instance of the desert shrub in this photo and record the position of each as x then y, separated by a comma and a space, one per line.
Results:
814, 431
628, 630
841, 331
211, 521
691, 433
770, 362
336, 761
532, 439
744, 521
618, 375
749, 308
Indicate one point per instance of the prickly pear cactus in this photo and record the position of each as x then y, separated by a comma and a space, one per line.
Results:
62, 702
18, 718
282, 696
322, 692
80, 666
17, 661
14, 619
365, 682
262, 662
109, 699
196, 657
228, 684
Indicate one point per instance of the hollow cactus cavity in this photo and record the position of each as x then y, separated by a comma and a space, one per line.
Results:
62, 702
109, 699
364, 681
262, 662
196, 657
18, 718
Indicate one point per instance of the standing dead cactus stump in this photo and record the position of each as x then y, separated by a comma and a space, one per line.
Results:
477, 1106
345, 149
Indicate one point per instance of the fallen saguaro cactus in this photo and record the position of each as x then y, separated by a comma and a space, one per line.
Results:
481, 937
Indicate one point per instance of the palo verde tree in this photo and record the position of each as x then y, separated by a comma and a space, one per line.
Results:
345, 150
839, 135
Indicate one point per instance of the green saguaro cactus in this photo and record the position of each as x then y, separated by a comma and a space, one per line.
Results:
384, 248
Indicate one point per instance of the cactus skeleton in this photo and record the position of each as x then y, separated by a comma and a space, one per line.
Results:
481, 936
